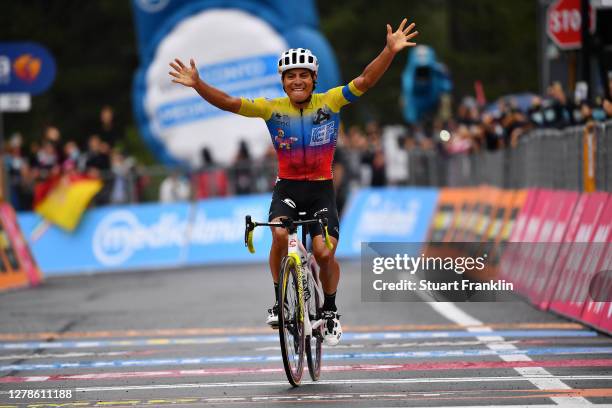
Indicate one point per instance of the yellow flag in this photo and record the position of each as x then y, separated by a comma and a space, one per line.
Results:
66, 203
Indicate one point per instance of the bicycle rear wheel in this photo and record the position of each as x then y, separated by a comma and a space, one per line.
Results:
314, 342
291, 328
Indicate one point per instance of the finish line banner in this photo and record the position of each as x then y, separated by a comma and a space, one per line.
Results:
150, 236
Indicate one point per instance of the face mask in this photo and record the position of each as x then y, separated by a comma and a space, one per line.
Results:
599, 114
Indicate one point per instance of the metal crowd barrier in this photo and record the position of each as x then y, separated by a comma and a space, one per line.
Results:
545, 158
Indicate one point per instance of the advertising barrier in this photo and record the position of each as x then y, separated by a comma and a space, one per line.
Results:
386, 215
151, 236
597, 290
17, 267
154, 236
515, 232
541, 210
551, 237
570, 274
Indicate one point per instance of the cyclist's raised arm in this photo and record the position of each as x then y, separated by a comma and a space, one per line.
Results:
396, 41
188, 76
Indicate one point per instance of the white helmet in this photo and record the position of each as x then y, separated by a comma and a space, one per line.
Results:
297, 58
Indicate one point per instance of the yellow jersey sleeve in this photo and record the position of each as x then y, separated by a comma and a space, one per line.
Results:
256, 108
340, 96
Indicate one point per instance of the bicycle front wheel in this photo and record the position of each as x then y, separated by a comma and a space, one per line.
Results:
290, 321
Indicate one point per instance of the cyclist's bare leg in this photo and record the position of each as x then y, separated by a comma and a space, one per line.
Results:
278, 249
326, 258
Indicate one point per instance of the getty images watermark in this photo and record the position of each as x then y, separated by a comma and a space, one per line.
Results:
416, 272
485, 272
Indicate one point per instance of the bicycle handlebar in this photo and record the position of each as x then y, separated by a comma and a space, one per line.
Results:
286, 223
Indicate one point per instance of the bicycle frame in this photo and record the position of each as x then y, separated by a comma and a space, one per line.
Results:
296, 250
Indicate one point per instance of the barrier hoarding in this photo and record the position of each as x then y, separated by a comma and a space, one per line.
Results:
510, 257
151, 236
155, 236
17, 267
544, 258
568, 275
533, 226
386, 215
597, 261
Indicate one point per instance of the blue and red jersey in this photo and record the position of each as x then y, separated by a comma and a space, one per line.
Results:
304, 139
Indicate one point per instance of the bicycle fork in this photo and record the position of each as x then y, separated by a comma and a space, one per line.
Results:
293, 252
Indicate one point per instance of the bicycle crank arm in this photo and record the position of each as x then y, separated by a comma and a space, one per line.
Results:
317, 324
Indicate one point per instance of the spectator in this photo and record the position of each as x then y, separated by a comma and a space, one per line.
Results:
536, 112
46, 156
121, 169
242, 169
607, 107
97, 155
266, 176
374, 157
17, 168
211, 180
561, 114
174, 188
339, 171
357, 173
72, 154
492, 133
108, 130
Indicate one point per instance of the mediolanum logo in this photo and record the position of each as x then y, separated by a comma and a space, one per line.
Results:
113, 238
121, 234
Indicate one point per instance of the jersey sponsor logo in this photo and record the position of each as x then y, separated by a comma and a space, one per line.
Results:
289, 202
282, 141
280, 119
322, 134
322, 116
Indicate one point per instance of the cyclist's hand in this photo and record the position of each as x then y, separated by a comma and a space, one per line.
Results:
183, 75
397, 41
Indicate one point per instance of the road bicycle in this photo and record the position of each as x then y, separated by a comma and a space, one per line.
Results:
300, 298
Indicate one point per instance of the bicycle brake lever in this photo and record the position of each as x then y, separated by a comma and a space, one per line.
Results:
328, 243
248, 234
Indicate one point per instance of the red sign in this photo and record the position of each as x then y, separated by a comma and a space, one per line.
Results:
563, 23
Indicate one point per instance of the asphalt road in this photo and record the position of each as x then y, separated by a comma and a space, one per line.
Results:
197, 338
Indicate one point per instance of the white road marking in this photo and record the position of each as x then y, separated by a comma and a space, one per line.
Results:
455, 314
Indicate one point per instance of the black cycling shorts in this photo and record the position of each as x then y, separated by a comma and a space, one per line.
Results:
315, 198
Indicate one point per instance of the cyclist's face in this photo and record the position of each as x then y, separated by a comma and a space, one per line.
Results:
298, 84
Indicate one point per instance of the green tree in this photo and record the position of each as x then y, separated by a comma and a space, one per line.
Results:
491, 41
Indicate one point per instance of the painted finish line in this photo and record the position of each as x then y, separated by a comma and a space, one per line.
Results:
427, 366
274, 338
327, 357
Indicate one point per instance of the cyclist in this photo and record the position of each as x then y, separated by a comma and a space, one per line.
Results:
304, 127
